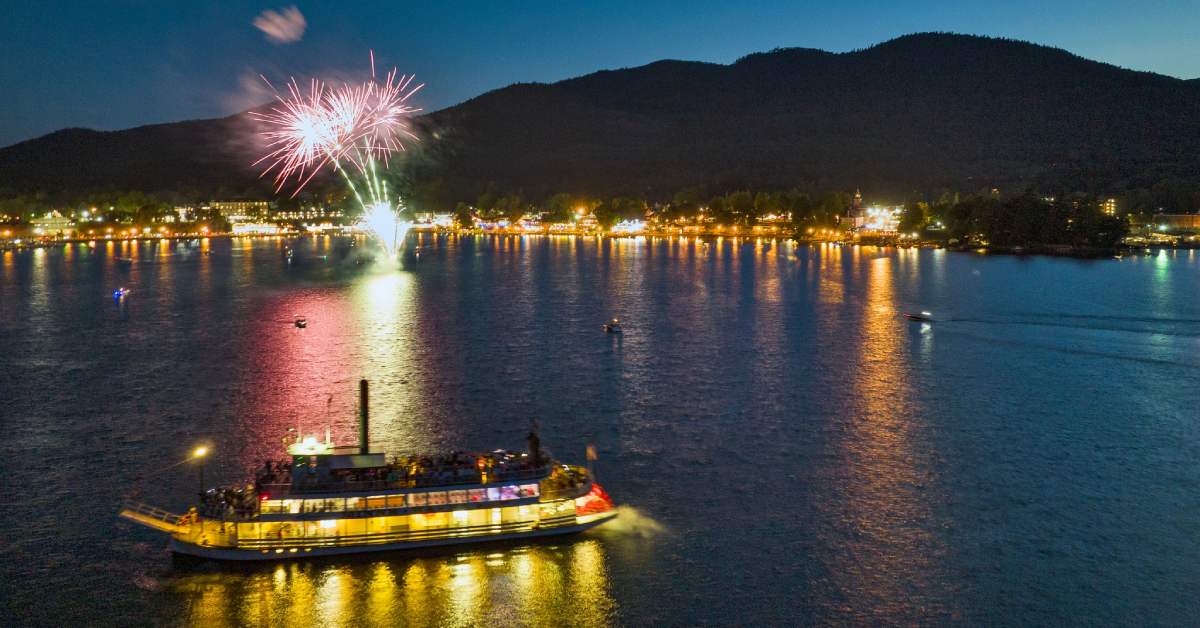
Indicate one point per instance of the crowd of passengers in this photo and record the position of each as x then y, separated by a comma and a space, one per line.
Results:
403, 471
409, 471
229, 503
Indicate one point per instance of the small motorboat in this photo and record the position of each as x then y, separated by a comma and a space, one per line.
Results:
301, 322
924, 317
125, 261
120, 293
613, 326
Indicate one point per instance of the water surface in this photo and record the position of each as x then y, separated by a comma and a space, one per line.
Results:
787, 447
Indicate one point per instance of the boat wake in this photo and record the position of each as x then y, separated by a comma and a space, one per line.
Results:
631, 522
1092, 323
1074, 350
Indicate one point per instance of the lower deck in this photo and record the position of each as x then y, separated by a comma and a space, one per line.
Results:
386, 542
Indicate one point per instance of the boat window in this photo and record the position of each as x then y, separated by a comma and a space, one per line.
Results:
477, 494
437, 498
355, 503
395, 501
457, 497
417, 499
493, 495
335, 504
376, 502
508, 492
529, 490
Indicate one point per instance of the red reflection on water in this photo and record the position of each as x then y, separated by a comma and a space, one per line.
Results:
306, 375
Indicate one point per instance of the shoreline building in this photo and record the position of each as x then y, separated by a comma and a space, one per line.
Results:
855, 216
52, 224
246, 217
242, 211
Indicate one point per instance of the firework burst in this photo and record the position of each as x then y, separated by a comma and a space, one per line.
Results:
351, 128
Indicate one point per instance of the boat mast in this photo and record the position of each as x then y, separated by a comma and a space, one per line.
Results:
363, 418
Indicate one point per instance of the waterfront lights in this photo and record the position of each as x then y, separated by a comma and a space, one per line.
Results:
200, 452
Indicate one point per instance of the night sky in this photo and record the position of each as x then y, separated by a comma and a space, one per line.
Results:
116, 64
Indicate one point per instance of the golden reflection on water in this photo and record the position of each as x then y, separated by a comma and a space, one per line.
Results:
536, 585
889, 550
828, 267
388, 353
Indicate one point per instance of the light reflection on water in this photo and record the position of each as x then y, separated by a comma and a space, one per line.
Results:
814, 457
538, 585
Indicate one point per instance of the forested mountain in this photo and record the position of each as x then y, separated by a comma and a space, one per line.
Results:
917, 114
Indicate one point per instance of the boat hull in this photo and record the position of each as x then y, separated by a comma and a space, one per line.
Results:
183, 548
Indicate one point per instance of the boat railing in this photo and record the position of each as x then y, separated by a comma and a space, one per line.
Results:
151, 512
351, 486
151, 516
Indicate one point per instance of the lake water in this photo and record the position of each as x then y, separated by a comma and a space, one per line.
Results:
787, 449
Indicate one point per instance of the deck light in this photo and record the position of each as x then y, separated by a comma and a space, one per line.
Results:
200, 452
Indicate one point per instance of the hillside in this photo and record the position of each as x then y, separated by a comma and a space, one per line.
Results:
920, 112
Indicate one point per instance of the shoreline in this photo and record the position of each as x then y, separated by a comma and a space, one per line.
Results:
1046, 250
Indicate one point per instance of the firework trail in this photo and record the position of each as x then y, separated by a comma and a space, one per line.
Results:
348, 128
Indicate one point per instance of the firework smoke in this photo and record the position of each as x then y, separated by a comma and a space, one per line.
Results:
282, 27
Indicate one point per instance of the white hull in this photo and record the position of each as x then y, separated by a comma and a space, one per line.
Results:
227, 554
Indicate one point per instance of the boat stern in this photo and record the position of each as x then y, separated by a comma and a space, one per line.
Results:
595, 506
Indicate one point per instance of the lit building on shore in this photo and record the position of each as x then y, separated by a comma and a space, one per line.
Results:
432, 220
1109, 206
53, 225
855, 215
242, 211
1177, 222
307, 213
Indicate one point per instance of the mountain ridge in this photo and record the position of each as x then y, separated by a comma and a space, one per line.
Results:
918, 112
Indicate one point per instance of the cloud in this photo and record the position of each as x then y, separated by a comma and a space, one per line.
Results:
282, 27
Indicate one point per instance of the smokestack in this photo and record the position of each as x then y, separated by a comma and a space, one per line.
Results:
363, 417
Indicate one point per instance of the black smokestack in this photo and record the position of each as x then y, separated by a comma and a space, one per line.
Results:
363, 418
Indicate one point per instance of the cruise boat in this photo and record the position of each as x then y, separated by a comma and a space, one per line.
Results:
326, 500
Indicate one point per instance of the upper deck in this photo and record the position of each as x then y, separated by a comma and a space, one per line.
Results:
335, 472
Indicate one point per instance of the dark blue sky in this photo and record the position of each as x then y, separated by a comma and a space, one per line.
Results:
112, 64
